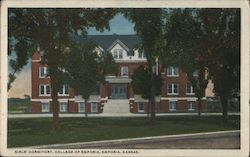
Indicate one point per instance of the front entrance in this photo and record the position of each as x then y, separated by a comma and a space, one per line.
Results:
119, 91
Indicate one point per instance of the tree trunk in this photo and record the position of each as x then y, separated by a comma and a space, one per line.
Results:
55, 104
86, 110
152, 101
199, 107
148, 109
224, 100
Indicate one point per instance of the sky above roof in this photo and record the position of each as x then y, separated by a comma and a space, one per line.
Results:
118, 25
22, 85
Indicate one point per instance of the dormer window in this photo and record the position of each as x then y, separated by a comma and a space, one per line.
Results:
196, 73
141, 54
118, 54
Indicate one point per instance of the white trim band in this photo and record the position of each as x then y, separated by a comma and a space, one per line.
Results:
60, 99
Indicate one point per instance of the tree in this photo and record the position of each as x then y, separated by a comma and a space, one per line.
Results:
148, 26
142, 83
50, 30
221, 45
82, 69
86, 68
206, 39
182, 31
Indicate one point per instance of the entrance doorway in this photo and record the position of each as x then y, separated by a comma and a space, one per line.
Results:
119, 91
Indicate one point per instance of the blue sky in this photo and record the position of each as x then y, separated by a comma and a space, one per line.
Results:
118, 25
22, 84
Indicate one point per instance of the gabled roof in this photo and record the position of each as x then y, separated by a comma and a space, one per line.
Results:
106, 41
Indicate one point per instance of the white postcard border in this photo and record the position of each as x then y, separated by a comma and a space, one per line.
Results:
243, 4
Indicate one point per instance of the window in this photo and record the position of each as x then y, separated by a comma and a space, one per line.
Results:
94, 107
45, 106
115, 55
118, 54
172, 71
173, 89
190, 90
42, 72
116, 90
196, 73
63, 106
124, 71
141, 54
172, 105
64, 90
140, 107
44, 90
81, 107
191, 106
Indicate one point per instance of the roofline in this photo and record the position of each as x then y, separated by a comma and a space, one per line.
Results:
119, 42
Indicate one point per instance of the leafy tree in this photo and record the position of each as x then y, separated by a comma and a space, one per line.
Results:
142, 83
148, 25
221, 45
50, 30
182, 31
85, 68
206, 39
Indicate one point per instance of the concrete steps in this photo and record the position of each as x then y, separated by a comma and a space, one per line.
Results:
116, 106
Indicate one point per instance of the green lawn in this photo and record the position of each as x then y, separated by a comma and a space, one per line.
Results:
37, 131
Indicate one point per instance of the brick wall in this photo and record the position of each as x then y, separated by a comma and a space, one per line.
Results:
73, 107
36, 81
163, 106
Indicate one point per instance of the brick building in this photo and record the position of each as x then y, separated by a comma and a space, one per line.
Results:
177, 94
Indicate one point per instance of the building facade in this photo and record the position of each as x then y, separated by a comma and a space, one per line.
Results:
177, 94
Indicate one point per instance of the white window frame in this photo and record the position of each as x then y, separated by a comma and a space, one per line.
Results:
196, 73
118, 53
141, 54
45, 90
172, 72
172, 89
115, 55
63, 109
171, 107
79, 107
45, 109
45, 72
139, 103
122, 71
191, 88
64, 91
191, 106
92, 109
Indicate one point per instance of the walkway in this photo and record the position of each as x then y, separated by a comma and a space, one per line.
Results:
210, 140
40, 115
114, 106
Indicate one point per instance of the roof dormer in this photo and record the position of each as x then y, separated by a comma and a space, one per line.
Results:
117, 41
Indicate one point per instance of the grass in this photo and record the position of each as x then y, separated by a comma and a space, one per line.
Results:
37, 131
